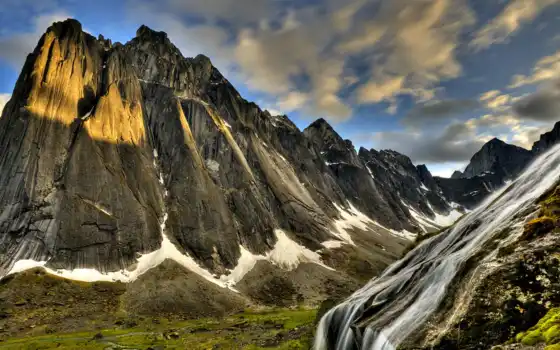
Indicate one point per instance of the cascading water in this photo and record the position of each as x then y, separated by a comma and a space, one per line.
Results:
386, 311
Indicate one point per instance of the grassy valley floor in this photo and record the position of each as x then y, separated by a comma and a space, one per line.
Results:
287, 329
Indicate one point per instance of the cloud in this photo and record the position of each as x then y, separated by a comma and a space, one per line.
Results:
301, 54
489, 95
544, 105
525, 135
438, 110
509, 21
415, 47
494, 99
457, 143
4, 98
545, 69
493, 121
14, 48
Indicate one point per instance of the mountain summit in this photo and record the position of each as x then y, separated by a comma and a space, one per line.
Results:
498, 157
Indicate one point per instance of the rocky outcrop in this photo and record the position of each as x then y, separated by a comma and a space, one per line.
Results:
385, 185
489, 169
76, 182
547, 140
497, 158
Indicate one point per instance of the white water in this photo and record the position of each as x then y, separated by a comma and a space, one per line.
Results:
411, 290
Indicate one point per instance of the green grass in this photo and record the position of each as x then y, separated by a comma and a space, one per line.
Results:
282, 329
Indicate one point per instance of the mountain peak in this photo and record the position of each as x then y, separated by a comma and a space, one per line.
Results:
147, 32
497, 156
67, 24
320, 123
496, 141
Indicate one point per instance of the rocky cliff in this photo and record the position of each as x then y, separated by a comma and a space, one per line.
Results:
547, 140
117, 157
498, 157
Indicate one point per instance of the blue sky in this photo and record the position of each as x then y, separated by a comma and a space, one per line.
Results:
433, 79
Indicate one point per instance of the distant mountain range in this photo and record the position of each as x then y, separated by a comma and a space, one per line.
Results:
117, 157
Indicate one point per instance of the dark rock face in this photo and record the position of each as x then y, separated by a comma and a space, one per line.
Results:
76, 181
104, 143
107, 148
498, 158
467, 192
384, 185
488, 170
547, 140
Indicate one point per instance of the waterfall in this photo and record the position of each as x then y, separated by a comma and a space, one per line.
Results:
391, 307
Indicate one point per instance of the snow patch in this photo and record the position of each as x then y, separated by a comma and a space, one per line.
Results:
212, 165
332, 244
370, 172
446, 220
424, 187
286, 254
439, 220
289, 254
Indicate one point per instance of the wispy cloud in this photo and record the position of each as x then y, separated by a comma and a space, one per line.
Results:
300, 55
509, 21
434, 111
545, 69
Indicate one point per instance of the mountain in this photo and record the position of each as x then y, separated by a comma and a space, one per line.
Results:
492, 279
490, 168
119, 157
497, 158
547, 140
384, 185
133, 165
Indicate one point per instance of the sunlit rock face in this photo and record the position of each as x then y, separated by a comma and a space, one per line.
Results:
116, 157
76, 182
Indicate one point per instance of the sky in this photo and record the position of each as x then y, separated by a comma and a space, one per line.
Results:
432, 79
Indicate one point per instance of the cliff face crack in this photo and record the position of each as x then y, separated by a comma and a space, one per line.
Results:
48, 63
97, 206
